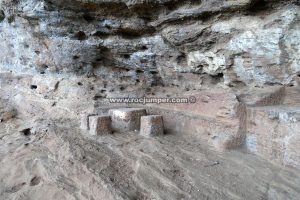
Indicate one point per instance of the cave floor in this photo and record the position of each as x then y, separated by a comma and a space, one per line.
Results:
57, 160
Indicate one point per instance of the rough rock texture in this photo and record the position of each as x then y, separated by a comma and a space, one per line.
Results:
236, 61
186, 45
158, 42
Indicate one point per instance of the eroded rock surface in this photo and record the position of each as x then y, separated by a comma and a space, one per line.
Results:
158, 40
238, 60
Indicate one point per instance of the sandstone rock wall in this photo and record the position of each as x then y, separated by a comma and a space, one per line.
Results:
247, 49
185, 43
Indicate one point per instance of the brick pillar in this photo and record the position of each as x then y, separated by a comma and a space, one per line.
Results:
152, 125
100, 125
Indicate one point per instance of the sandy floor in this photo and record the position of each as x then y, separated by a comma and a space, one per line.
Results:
56, 160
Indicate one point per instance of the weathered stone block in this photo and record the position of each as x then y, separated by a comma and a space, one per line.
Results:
152, 125
100, 125
84, 121
126, 119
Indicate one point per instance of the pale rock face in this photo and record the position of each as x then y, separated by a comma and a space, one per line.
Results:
237, 23
260, 52
42, 38
263, 47
208, 62
292, 45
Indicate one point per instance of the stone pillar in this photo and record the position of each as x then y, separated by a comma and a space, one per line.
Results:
152, 125
84, 121
127, 119
100, 125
